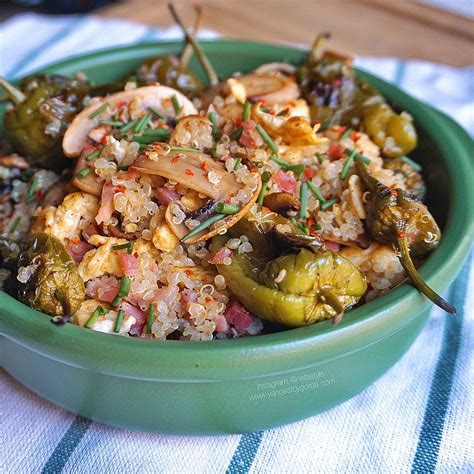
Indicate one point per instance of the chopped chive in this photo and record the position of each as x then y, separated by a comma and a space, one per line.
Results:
14, 225
123, 291
142, 123
282, 112
237, 163
315, 227
156, 112
265, 179
149, 319
225, 208
118, 321
203, 225
128, 246
362, 158
304, 228
216, 133
214, 153
319, 158
93, 155
235, 135
316, 192
99, 310
157, 132
266, 138
128, 126
246, 113
347, 165
176, 106
300, 226
113, 123
303, 200
32, 190
412, 163
259, 164
83, 173
99, 110
297, 169
328, 204
358, 156
144, 140
182, 148
345, 134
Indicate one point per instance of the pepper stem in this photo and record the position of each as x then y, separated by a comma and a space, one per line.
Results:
211, 74
15, 95
316, 51
188, 48
417, 279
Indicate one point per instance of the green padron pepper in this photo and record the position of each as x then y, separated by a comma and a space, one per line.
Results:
337, 97
395, 218
43, 108
46, 277
300, 287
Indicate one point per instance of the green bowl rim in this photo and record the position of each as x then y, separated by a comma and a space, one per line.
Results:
237, 357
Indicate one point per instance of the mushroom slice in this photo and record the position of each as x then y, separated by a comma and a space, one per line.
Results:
281, 203
188, 167
295, 131
90, 183
227, 222
284, 68
140, 99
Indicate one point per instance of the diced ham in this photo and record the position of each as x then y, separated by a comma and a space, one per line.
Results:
334, 246
247, 139
238, 316
221, 324
107, 294
335, 151
139, 316
128, 263
133, 173
106, 208
77, 249
166, 195
104, 288
220, 255
286, 182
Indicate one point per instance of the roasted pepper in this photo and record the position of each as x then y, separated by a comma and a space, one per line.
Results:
395, 218
43, 108
337, 97
300, 287
45, 277
414, 183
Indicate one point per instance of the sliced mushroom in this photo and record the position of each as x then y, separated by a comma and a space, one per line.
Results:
295, 131
356, 194
270, 88
90, 183
181, 230
142, 98
281, 203
284, 68
191, 168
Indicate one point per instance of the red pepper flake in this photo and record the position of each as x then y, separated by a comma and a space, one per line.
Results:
104, 140
121, 104
189, 172
207, 299
401, 235
336, 82
341, 130
175, 159
393, 191
309, 173
265, 209
39, 195
188, 271
120, 189
76, 239
355, 136
238, 121
204, 165
135, 254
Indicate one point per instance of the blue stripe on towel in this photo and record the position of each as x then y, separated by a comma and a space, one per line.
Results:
431, 432
245, 453
60, 35
400, 73
66, 446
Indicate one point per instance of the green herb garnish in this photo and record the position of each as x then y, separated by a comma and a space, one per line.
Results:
83, 173
203, 225
235, 135
128, 126
347, 165
99, 310
246, 113
328, 204
149, 319
93, 155
225, 208
346, 134
316, 192
176, 105
265, 179
142, 123
303, 201
412, 163
14, 225
123, 291
118, 321
266, 138
99, 110
156, 112
31, 190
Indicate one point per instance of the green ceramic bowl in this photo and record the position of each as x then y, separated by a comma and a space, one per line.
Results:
255, 383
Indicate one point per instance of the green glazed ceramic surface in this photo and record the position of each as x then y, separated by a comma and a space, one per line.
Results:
247, 384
